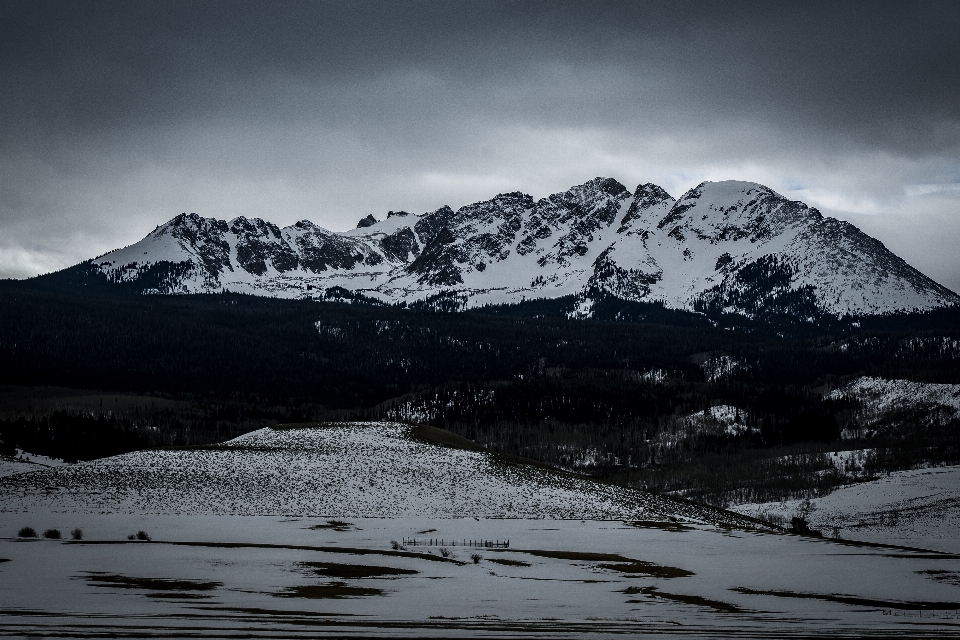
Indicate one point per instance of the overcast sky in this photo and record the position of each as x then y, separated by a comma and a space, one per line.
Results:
115, 117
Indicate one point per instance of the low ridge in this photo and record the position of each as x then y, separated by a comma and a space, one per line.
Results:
375, 470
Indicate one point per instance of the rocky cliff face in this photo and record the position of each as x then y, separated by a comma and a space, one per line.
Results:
723, 246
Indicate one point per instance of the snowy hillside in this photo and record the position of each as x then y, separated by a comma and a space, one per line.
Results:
917, 507
344, 470
896, 404
723, 246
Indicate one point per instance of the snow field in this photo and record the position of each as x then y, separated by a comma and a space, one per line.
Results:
722, 582
919, 507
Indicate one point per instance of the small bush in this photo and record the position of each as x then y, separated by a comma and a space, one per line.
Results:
445, 552
476, 557
132, 536
142, 535
52, 534
77, 534
27, 532
394, 545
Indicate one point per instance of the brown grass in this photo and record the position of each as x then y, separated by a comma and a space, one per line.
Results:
653, 592
510, 563
334, 590
622, 564
338, 570
443, 438
909, 605
152, 584
336, 525
588, 556
665, 526
639, 567
296, 547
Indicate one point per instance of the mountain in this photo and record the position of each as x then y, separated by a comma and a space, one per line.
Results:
733, 247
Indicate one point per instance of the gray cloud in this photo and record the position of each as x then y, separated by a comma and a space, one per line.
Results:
117, 116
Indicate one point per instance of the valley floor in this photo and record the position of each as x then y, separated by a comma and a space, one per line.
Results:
271, 536
261, 576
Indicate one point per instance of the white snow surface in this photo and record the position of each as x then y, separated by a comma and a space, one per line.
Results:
932, 402
215, 569
25, 461
208, 576
885, 395
594, 238
919, 507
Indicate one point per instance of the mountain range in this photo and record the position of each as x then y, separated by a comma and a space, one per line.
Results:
724, 246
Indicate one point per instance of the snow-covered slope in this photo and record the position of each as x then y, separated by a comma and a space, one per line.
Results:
896, 405
919, 507
723, 246
342, 470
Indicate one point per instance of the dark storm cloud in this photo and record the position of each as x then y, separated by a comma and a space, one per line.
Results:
875, 73
115, 113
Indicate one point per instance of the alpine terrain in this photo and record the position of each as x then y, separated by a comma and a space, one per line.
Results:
726, 246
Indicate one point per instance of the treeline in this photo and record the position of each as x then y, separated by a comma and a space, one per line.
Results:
72, 437
610, 396
65, 424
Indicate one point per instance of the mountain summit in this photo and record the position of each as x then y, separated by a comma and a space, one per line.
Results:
722, 246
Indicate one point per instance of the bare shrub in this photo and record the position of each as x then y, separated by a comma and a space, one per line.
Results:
27, 532
52, 534
77, 534
143, 535
476, 557
445, 552
805, 508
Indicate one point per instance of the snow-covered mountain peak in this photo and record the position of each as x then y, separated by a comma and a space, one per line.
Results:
650, 204
727, 246
732, 210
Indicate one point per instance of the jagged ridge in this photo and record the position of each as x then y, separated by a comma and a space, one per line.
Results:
733, 247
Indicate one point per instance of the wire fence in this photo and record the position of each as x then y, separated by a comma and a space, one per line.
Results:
442, 542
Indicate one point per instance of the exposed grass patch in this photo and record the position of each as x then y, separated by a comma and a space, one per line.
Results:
308, 425
510, 563
177, 595
665, 526
942, 575
854, 600
639, 567
653, 592
335, 525
278, 612
325, 591
443, 438
623, 564
151, 584
588, 556
931, 553
297, 547
338, 570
